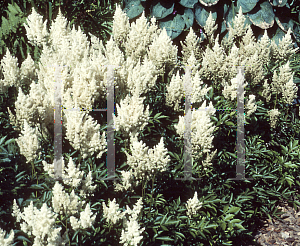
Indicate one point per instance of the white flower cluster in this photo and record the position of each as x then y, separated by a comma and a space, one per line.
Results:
131, 236
141, 77
193, 205
202, 130
161, 52
176, 89
40, 223
72, 176
112, 213
29, 142
28, 70
273, 114
36, 29
127, 180
6, 241
63, 203
84, 134
220, 67
251, 105
230, 91
283, 83
140, 37
69, 48
146, 162
121, 25
132, 117
267, 91
86, 219
238, 29
11, 71
210, 27
285, 47
191, 45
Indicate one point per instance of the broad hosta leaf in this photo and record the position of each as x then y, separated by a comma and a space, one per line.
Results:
284, 23
188, 17
278, 3
208, 2
173, 26
278, 36
188, 3
201, 14
247, 5
133, 8
161, 9
262, 15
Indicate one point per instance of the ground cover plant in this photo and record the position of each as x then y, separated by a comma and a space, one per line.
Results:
148, 205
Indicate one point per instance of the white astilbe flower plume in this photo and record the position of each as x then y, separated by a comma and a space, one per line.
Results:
127, 179
285, 47
86, 219
233, 59
134, 213
162, 52
63, 203
273, 114
59, 31
140, 37
255, 71
290, 91
248, 45
28, 70
6, 241
210, 27
132, 233
36, 30
263, 48
146, 162
36, 108
112, 213
121, 26
29, 142
239, 28
132, 117
193, 64
202, 129
190, 45
267, 91
198, 90
175, 92
10, 70
280, 80
40, 223
141, 78
84, 134
213, 62
230, 91
250, 105
85, 87
113, 54
193, 205
72, 176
